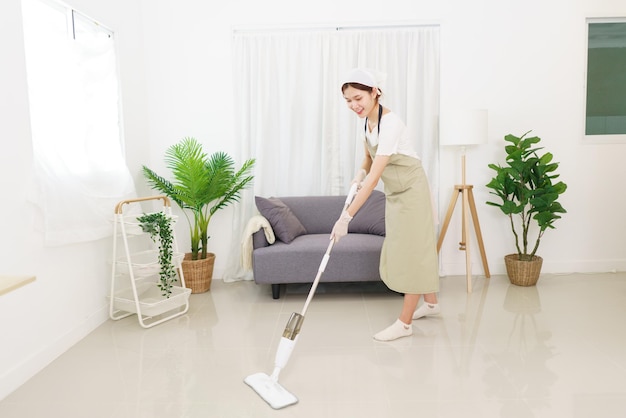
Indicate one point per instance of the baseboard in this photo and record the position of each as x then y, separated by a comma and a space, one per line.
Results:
548, 267
21, 373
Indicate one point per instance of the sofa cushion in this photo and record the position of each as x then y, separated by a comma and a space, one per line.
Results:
370, 219
353, 259
285, 224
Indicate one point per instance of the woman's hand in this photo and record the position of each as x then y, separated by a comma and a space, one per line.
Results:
340, 229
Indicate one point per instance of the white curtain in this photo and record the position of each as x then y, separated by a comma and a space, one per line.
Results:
291, 116
74, 107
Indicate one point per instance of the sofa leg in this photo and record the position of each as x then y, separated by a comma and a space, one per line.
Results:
275, 291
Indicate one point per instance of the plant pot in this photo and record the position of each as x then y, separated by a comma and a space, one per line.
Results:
522, 272
198, 273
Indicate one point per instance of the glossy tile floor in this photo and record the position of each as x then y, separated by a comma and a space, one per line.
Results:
554, 350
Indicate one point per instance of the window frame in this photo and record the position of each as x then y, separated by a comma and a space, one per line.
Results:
597, 138
77, 130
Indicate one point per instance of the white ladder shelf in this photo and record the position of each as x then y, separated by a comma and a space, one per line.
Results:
135, 268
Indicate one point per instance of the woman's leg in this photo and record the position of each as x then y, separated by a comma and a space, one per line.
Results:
402, 327
430, 298
429, 307
408, 307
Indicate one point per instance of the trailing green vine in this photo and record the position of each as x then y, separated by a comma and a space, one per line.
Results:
159, 224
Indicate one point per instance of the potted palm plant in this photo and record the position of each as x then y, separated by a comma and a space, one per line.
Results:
202, 184
528, 194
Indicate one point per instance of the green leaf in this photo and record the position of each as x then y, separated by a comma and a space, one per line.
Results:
159, 226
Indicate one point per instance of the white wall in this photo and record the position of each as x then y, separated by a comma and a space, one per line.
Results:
524, 61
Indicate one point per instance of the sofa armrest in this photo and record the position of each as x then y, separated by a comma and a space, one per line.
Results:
259, 240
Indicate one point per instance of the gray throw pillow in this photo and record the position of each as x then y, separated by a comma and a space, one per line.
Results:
370, 219
285, 224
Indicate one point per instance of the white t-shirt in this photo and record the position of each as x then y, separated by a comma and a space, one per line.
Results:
393, 138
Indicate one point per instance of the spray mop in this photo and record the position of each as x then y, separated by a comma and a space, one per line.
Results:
267, 386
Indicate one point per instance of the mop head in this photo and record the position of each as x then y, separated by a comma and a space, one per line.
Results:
270, 390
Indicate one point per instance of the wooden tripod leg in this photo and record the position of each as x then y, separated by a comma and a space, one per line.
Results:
479, 235
446, 222
468, 260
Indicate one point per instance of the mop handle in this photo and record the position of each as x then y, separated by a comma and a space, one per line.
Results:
351, 194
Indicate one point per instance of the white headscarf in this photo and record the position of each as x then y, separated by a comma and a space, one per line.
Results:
366, 76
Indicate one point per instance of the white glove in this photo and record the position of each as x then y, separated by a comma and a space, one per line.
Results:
359, 177
340, 229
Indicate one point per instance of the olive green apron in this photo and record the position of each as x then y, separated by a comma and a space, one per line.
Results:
408, 261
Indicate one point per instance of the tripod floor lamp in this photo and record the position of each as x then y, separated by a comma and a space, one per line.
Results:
462, 129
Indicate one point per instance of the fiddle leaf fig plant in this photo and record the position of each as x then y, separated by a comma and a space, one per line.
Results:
527, 191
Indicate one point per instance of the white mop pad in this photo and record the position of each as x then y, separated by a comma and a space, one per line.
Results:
270, 390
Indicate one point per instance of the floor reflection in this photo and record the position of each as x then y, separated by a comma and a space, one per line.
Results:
524, 356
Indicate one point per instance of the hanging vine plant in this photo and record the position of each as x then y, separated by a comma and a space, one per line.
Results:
159, 226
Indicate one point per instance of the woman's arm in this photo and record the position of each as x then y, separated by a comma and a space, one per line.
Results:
376, 168
340, 228
367, 160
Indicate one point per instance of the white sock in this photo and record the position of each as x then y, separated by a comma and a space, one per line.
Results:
396, 330
426, 309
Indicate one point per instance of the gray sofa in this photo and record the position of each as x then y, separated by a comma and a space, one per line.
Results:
302, 226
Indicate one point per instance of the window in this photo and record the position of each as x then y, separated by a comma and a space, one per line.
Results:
75, 122
605, 110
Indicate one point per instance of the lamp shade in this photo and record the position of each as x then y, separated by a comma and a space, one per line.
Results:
463, 127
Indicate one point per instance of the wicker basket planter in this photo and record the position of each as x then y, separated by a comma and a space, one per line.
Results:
522, 272
198, 273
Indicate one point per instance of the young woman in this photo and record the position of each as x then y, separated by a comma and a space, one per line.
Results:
408, 262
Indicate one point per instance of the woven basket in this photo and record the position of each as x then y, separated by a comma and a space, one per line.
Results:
198, 273
523, 272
